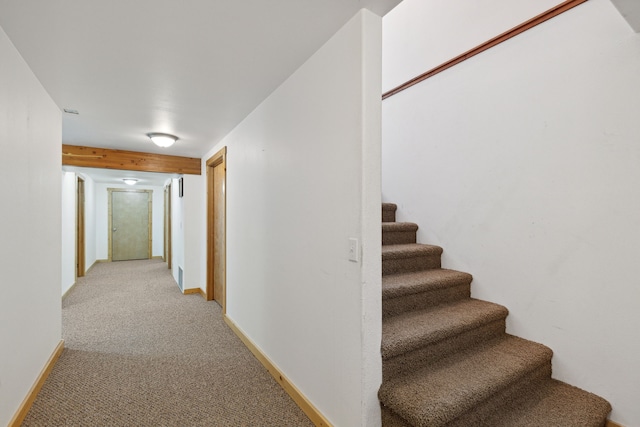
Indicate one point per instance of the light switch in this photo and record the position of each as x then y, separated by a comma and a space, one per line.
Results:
353, 250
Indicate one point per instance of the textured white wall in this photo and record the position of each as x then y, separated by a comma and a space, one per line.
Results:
420, 35
194, 225
102, 217
523, 164
189, 231
297, 170
177, 230
30, 139
68, 251
69, 194
90, 221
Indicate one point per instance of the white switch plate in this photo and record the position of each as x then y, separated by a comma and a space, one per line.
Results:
353, 250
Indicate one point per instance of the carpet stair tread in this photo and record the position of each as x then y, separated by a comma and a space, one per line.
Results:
553, 404
403, 284
398, 226
389, 212
440, 393
409, 331
409, 250
402, 258
398, 233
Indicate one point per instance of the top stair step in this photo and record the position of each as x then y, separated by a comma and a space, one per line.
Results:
389, 212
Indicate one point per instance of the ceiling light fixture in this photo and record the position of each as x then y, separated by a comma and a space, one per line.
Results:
163, 140
130, 181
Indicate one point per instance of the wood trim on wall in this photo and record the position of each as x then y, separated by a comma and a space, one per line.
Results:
613, 424
217, 159
23, 409
545, 16
170, 231
105, 158
300, 399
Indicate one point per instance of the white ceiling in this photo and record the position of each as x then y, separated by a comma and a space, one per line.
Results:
630, 9
192, 68
115, 177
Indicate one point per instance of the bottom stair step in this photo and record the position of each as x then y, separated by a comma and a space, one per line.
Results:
443, 392
552, 403
548, 403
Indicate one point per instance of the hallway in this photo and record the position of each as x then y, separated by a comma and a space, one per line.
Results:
138, 352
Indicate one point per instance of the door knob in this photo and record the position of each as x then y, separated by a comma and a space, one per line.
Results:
114, 229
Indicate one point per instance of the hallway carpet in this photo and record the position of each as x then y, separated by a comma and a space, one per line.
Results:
139, 353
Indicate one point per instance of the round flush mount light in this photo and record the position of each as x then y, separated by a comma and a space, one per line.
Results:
163, 140
130, 181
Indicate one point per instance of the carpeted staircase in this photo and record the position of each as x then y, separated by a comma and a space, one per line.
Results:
446, 359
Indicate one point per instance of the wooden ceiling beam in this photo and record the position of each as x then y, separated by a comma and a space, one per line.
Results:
105, 158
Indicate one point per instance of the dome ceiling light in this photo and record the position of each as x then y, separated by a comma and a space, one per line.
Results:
163, 140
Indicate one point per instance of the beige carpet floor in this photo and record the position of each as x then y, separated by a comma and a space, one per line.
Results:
139, 353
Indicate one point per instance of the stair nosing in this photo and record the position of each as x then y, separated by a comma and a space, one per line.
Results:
399, 226
455, 278
409, 250
490, 312
500, 380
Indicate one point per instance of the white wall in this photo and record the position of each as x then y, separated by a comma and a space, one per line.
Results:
419, 36
102, 218
68, 251
303, 176
69, 218
177, 231
90, 221
194, 231
522, 163
188, 246
30, 139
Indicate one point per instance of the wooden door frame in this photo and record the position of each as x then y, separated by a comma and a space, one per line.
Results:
80, 231
149, 207
167, 225
220, 158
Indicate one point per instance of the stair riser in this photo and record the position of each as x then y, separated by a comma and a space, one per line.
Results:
398, 237
405, 265
388, 216
391, 419
419, 301
416, 359
479, 413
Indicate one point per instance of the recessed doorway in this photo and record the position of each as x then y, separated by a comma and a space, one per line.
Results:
80, 238
216, 228
129, 224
